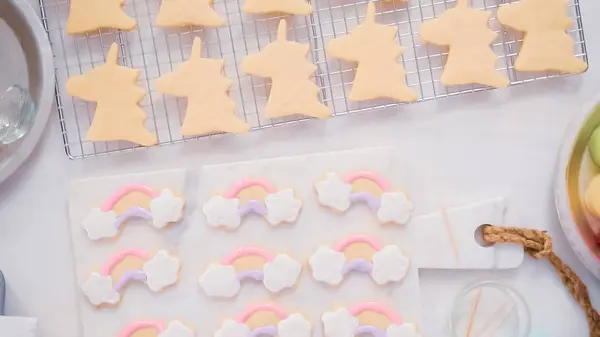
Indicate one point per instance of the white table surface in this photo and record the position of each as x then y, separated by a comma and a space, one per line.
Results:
502, 142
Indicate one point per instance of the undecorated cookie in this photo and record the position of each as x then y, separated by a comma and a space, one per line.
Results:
133, 201
182, 13
338, 193
546, 45
466, 32
299, 7
118, 115
252, 196
369, 318
373, 46
276, 272
90, 15
265, 320
104, 287
158, 328
209, 107
293, 92
385, 264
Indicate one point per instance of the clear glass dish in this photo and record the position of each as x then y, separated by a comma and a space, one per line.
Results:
17, 114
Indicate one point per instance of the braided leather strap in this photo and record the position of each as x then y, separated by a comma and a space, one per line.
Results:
538, 244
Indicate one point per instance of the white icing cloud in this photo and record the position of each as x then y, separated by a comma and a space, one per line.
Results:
389, 265
219, 281
334, 192
282, 206
99, 290
162, 271
327, 265
295, 325
339, 323
166, 208
395, 207
231, 328
100, 225
220, 211
404, 330
177, 329
281, 273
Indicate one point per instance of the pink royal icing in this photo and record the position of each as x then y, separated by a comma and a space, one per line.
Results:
237, 188
378, 179
159, 326
245, 251
121, 192
116, 259
276, 309
357, 238
379, 308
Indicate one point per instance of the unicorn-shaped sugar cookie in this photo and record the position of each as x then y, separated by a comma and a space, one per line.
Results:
339, 193
369, 318
546, 44
183, 13
223, 279
132, 201
293, 92
89, 15
269, 320
373, 46
252, 196
466, 32
359, 253
105, 286
158, 328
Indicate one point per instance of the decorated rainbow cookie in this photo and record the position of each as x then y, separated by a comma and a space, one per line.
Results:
366, 319
369, 187
174, 329
359, 253
156, 272
277, 272
252, 196
265, 320
132, 201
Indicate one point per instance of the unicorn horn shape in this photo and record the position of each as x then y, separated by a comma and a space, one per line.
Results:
370, 16
113, 54
196, 48
282, 31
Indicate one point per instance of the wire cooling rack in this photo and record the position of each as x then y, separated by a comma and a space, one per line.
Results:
156, 51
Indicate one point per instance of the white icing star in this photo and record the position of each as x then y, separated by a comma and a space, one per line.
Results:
395, 207
231, 328
100, 225
219, 281
404, 330
295, 325
327, 265
282, 207
334, 192
339, 323
389, 265
176, 329
281, 273
162, 271
220, 211
99, 289
166, 208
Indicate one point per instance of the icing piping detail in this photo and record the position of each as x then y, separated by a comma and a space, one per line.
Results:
372, 176
159, 326
228, 260
133, 211
357, 238
360, 265
257, 275
367, 197
267, 330
276, 309
377, 307
253, 206
116, 259
121, 192
370, 330
137, 275
237, 188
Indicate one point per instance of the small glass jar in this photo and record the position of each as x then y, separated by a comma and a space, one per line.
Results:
489, 309
17, 114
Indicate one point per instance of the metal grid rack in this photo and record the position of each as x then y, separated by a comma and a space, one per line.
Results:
156, 51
